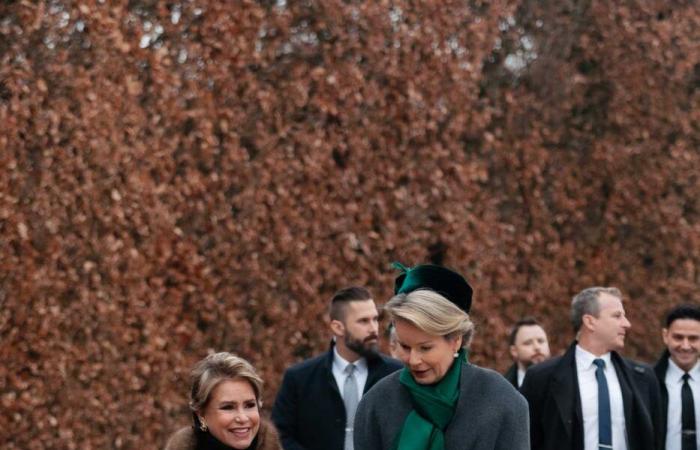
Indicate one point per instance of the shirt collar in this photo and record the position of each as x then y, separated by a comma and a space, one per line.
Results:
584, 358
676, 372
340, 363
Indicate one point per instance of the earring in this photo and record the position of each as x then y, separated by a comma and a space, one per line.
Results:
456, 355
202, 425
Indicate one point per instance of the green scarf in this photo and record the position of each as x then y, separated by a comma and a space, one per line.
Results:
433, 408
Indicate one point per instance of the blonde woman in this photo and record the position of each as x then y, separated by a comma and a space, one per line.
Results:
439, 401
225, 404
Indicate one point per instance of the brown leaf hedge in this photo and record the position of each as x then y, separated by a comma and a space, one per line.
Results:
180, 177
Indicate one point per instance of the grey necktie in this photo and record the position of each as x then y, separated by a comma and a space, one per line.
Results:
350, 398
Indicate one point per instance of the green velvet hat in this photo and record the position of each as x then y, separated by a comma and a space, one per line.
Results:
442, 280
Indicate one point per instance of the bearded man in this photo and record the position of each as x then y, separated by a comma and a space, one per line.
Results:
528, 345
315, 406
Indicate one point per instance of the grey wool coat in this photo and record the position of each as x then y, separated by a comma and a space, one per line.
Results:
490, 415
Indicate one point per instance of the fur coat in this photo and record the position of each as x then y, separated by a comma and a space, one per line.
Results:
184, 439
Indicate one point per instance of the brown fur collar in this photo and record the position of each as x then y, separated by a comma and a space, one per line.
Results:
184, 438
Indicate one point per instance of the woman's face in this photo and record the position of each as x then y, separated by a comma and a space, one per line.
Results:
427, 356
232, 414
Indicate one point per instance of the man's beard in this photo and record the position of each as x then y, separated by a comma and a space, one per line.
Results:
527, 364
368, 349
534, 360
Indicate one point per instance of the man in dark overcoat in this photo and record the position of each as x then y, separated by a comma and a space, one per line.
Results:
528, 345
591, 398
310, 408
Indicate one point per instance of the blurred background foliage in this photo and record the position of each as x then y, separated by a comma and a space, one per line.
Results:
190, 175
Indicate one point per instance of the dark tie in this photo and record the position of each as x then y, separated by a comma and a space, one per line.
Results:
604, 422
350, 398
687, 416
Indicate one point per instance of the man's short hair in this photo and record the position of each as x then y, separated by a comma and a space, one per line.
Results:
344, 296
686, 311
586, 302
524, 322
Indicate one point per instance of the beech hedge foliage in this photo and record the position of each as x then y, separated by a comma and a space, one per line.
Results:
184, 176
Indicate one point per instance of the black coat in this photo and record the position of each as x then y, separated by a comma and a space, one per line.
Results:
556, 420
309, 411
660, 369
512, 375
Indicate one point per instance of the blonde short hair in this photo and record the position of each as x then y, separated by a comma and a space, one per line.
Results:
432, 313
218, 367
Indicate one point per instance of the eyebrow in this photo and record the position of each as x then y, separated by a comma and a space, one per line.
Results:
417, 343
233, 402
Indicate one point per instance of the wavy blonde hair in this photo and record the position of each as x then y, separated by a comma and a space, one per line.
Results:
432, 313
218, 367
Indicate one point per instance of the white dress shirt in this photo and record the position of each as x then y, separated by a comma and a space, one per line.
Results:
360, 374
588, 391
674, 383
521, 377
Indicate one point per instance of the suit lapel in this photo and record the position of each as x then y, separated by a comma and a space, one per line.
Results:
565, 391
660, 370
625, 386
328, 366
638, 419
512, 375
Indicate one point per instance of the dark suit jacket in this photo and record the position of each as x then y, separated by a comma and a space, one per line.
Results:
660, 369
512, 375
556, 420
309, 411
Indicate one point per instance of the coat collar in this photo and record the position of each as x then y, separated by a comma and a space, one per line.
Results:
373, 375
328, 369
185, 439
565, 390
661, 366
660, 369
634, 379
512, 375
630, 376
626, 384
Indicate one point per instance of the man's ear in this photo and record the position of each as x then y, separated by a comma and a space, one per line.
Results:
513, 352
588, 321
338, 328
664, 335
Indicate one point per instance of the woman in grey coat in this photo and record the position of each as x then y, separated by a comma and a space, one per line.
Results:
439, 401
